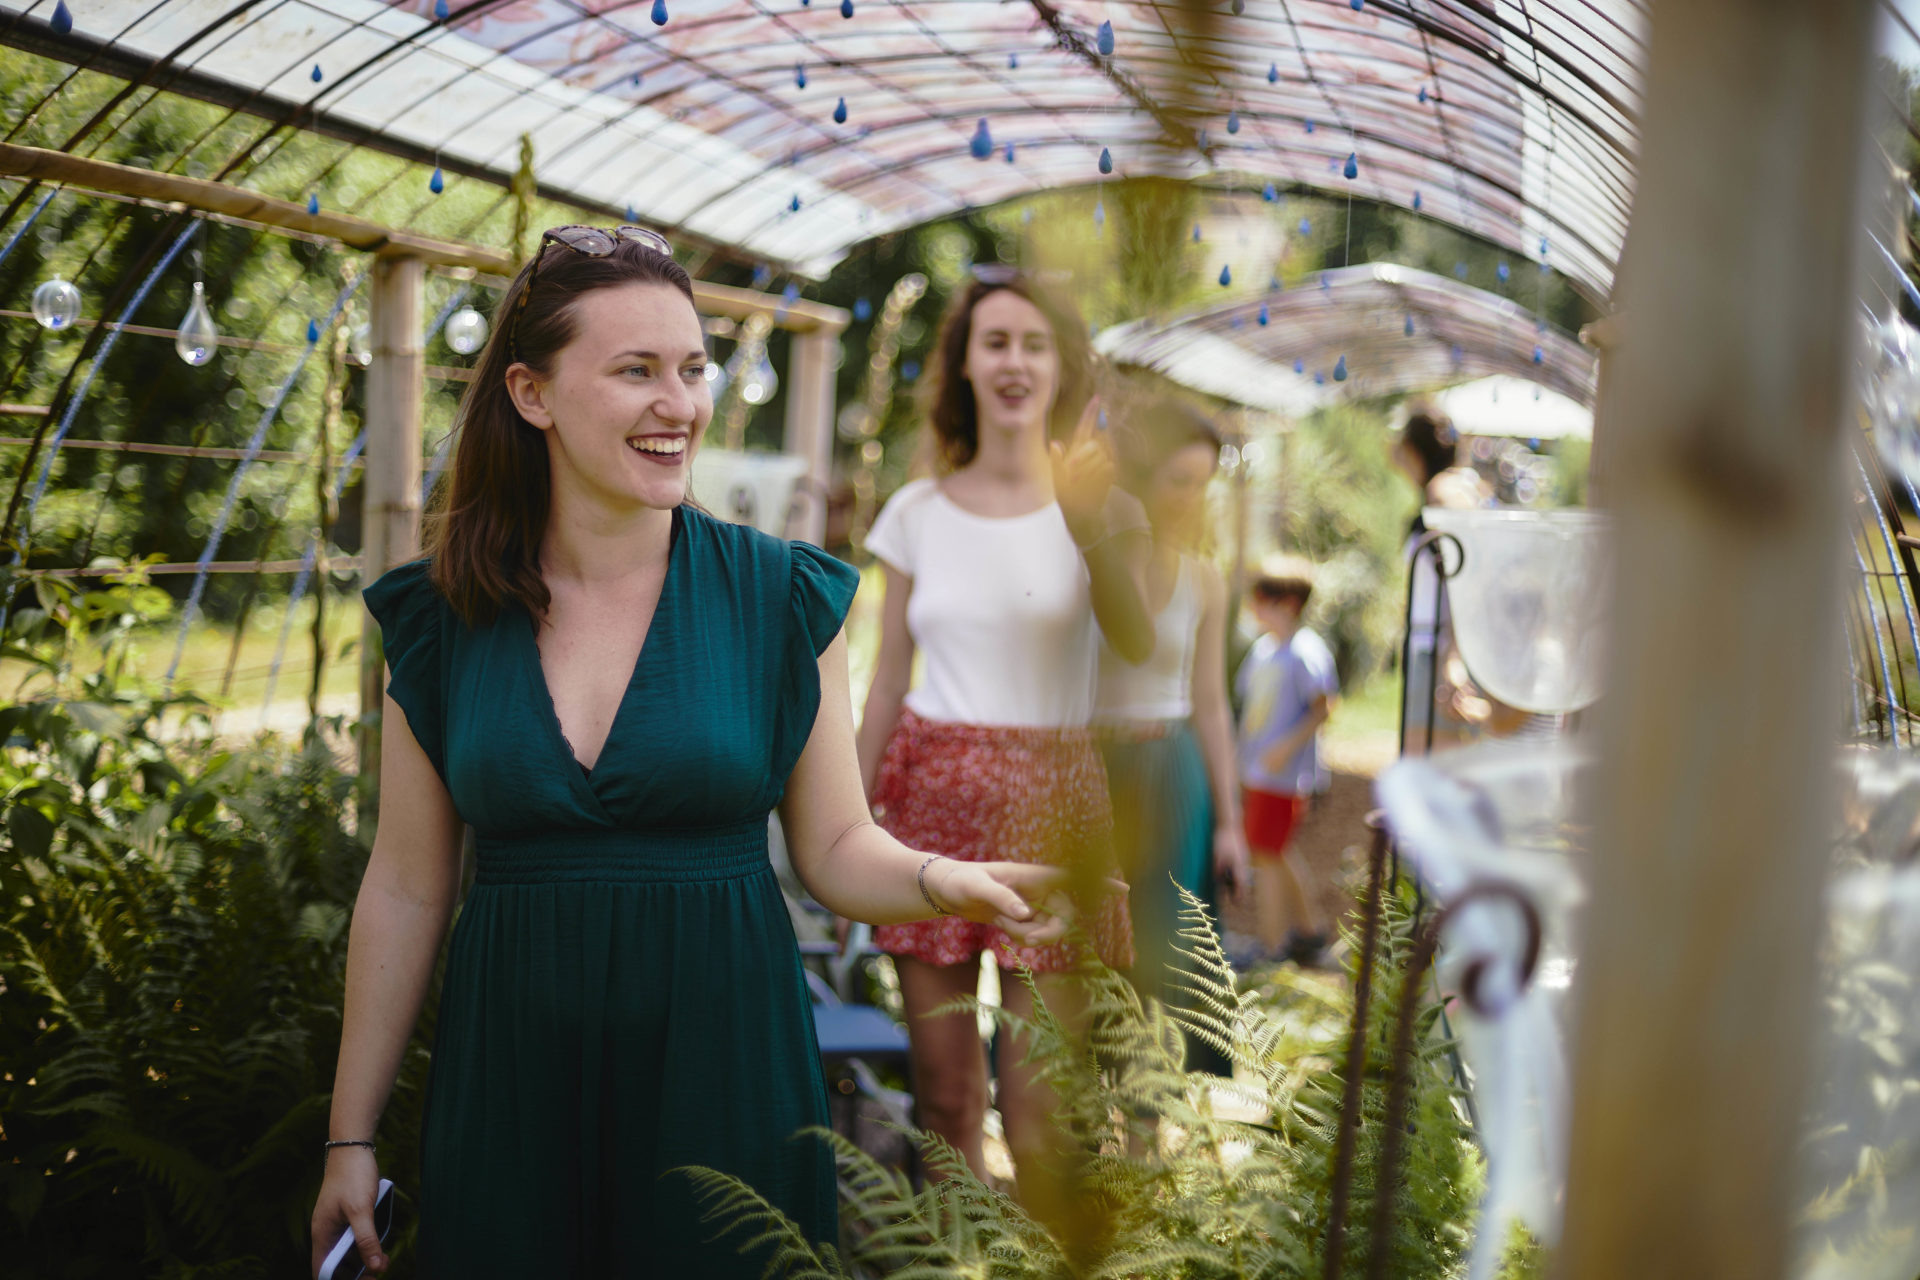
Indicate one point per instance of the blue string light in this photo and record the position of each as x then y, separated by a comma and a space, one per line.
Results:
793, 205
1103, 40
438, 182
440, 10
1416, 202
1353, 166
1273, 73
1106, 160
846, 8
659, 13
1009, 153
1263, 315
62, 20
315, 73
1226, 276
799, 76
1423, 93
1299, 365
313, 205
1309, 125
840, 111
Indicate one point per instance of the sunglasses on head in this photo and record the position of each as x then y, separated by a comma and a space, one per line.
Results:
591, 242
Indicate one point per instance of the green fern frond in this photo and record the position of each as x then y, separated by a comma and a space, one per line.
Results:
743, 1211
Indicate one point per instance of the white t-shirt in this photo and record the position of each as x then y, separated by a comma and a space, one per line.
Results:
1001, 611
1161, 688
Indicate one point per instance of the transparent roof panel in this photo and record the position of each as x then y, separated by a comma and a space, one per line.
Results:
1510, 119
1355, 333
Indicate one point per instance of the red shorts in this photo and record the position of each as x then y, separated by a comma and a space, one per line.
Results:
978, 793
1271, 817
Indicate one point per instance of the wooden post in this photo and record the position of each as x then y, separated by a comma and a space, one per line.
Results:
1722, 426
809, 428
396, 391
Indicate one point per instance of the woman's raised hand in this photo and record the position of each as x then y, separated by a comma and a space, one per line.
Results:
346, 1199
1029, 903
1083, 473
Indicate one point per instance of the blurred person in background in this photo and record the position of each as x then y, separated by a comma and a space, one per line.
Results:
1002, 570
1287, 685
1444, 707
1166, 729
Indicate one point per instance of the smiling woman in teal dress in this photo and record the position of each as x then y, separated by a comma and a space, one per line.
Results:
614, 690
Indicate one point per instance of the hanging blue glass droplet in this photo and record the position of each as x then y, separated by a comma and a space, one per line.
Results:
840, 111
438, 182
1273, 73
1268, 194
1503, 271
794, 204
62, 20
1100, 213
910, 371
1326, 282
315, 73
636, 80
1273, 284
1353, 166
1103, 40
659, 13
1423, 93
1013, 62
1539, 356
862, 310
1264, 317
1460, 270
1456, 354
1543, 246
1358, 4
1226, 276
981, 144
799, 76
1340, 365
313, 332
440, 10
1009, 153
631, 215
1106, 160
1416, 202
1408, 327
846, 8
1306, 226
1233, 122
1299, 366
1319, 378
313, 204
1309, 126
1196, 233
790, 294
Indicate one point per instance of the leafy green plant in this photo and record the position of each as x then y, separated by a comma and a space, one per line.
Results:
173, 917
1181, 1175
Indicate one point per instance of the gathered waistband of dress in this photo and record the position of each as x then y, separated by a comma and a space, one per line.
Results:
622, 856
1007, 735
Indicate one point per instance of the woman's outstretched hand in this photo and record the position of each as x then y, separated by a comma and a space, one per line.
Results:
1029, 903
1083, 473
346, 1199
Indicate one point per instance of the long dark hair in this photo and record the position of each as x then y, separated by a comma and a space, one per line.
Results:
489, 512
952, 414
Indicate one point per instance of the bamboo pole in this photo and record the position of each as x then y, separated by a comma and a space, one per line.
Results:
390, 522
1722, 428
809, 429
226, 198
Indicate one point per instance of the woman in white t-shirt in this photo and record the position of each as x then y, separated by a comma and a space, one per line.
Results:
1002, 572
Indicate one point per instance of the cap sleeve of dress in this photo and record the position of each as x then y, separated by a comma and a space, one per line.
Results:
820, 591
412, 617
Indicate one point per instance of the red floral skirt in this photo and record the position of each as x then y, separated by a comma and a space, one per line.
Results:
980, 793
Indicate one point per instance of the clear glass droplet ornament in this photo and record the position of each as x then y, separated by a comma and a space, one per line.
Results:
197, 340
56, 304
466, 331
360, 345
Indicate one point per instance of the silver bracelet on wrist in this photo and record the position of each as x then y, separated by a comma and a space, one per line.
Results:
921, 878
348, 1142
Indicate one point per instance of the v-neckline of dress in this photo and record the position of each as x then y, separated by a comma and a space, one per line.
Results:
676, 539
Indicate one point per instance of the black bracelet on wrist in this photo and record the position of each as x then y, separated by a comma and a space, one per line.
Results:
348, 1142
924, 892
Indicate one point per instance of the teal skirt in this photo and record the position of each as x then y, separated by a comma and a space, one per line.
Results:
1163, 833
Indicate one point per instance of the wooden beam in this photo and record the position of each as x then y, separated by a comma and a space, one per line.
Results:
809, 429
364, 234
1724, 421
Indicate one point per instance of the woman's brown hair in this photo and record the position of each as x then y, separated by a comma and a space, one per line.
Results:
1153, 433
489, 513
953, 415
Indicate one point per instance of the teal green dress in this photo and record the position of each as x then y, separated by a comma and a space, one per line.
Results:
623, 993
